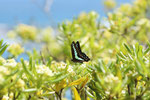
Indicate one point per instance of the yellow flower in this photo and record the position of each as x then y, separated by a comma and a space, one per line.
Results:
26, 31
61, 65
2, 60
40, 92
42, 69
3, 91
82, 16
126, 9
47, 34
110, 78
107, 34
5, 97
11, 34
20, 84
11, 95
10, 63
15, 49
110, 4
143, 21
70, 69
1, 79
4, 71
139, 78
110, 81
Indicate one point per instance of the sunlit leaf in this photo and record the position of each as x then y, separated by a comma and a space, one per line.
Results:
61, 85
77, 82
76, 94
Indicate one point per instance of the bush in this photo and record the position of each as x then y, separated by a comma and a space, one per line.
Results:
119, 53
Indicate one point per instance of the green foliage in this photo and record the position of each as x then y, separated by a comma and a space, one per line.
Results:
119, 53
3, 47
127, 77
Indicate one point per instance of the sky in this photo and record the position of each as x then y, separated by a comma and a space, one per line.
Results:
13, 12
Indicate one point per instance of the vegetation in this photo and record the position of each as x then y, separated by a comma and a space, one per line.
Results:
118, 47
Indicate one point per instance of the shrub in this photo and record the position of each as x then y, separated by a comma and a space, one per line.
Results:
118, 48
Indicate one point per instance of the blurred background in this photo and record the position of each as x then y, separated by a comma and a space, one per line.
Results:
32, 23
47, 12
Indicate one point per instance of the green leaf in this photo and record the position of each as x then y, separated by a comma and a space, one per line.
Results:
98, 96
128, 49
30, 63
17, 78
3, 48
58, 79
9, 78
13, 73
29, 90
89, 94
122, 55
147, 50
1, 42
49, 61
26, 69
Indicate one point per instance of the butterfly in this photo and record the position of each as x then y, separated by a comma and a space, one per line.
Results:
77, 54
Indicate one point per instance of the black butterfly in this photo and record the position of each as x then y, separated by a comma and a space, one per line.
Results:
77, 54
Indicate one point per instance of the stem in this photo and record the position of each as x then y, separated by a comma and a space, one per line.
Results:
135, 82
17, 95
55, 58
59, 94
43, 60
85, 93
14, 96
129, 92
29, 97
110, 97
139, 96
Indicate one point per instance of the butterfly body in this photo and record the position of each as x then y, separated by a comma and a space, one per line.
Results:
77, 54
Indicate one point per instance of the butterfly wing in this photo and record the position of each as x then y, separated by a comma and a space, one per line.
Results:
72, 50
75, 53
85, 57
81, 54
78, 46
